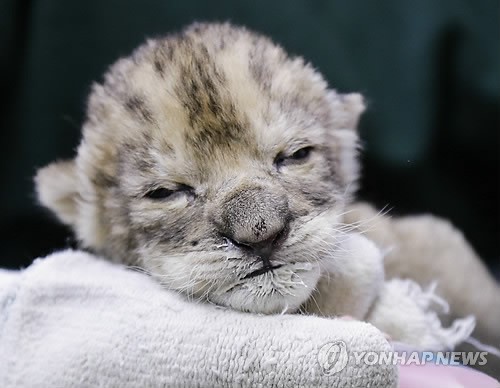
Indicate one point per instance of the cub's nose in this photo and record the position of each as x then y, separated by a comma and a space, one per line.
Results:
264, 248
255, 219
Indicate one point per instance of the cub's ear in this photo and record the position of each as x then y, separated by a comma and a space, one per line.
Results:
57, 189
347, 109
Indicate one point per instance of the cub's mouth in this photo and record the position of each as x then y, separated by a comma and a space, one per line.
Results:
265, 269
269, 288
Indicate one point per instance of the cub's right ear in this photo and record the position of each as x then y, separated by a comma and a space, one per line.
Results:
57, 189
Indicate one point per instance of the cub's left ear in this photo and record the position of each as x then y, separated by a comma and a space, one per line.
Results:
57, 189
346, 109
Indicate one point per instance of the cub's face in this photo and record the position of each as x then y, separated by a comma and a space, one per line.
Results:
215, 162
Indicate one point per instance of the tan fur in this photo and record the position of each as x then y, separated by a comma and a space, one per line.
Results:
427, 249
218, 110
215, 114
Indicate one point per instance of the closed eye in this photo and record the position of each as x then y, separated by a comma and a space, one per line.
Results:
161, 193
299, 156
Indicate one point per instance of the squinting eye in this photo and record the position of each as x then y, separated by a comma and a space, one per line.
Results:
301, 154
297, 157
159, 193
163, 193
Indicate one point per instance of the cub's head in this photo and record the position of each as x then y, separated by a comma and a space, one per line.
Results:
217, 163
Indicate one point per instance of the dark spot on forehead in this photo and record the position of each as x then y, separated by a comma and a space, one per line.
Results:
211, 113
159, 66
164, 53
295, 100
137, 106
259, 69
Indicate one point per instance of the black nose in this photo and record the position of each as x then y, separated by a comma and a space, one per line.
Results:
263, 248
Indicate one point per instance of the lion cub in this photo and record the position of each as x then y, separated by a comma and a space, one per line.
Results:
226, 168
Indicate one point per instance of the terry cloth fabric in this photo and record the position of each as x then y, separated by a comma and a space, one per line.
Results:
408, 313
74, 320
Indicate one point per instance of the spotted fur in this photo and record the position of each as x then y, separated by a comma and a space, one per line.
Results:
203, 117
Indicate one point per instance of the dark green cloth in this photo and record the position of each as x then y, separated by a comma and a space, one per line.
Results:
429, 69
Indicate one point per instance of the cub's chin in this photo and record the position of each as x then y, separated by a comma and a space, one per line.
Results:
283, 289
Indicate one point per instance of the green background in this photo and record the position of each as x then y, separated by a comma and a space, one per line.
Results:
429, 70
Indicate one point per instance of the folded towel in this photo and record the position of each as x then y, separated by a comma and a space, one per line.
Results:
74, 320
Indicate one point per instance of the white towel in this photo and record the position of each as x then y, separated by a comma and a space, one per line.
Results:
74, 320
